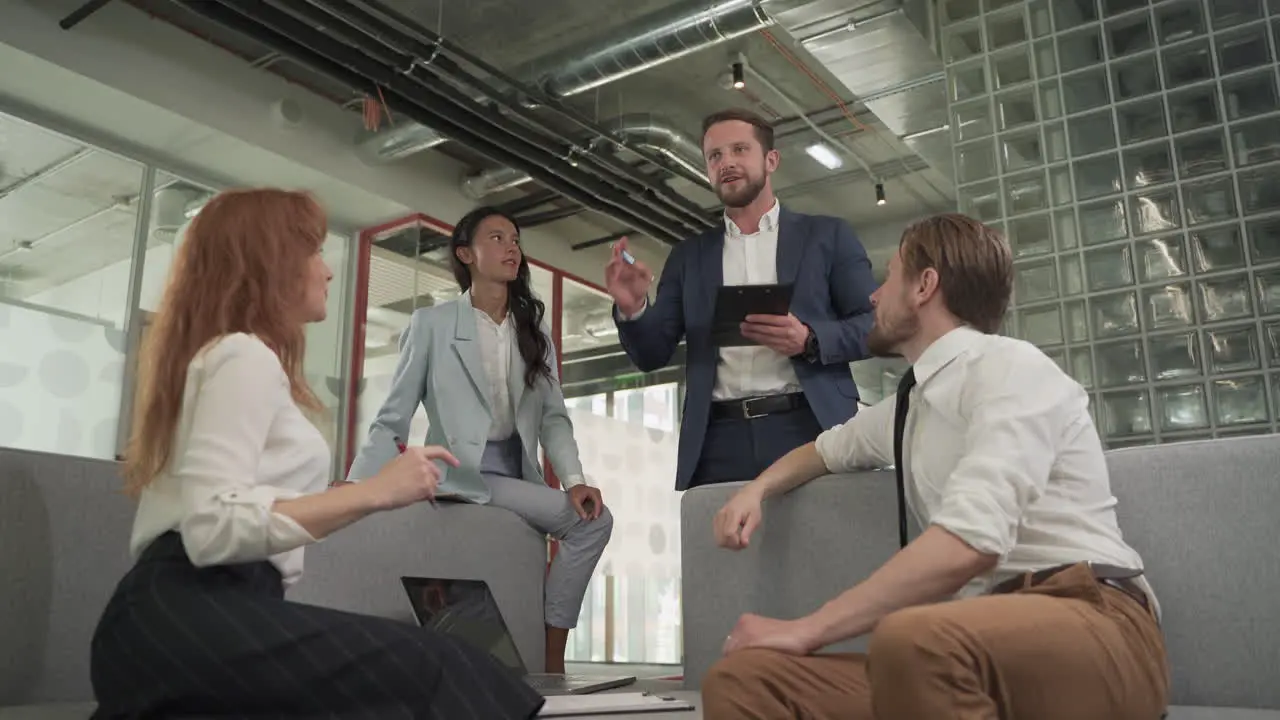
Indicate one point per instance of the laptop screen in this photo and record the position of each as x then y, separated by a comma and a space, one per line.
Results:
466, 610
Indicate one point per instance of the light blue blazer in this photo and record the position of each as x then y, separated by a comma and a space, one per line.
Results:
440, 367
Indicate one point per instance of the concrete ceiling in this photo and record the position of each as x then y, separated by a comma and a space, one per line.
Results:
533, 37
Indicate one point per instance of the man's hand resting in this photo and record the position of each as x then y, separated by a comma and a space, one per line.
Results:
738, 519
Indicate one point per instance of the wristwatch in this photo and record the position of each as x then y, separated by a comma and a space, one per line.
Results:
810, 353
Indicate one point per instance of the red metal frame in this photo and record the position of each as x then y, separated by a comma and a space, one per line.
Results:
361, 312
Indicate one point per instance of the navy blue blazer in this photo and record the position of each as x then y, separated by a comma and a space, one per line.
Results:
829, 268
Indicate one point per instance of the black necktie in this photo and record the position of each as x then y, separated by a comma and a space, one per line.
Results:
899, 427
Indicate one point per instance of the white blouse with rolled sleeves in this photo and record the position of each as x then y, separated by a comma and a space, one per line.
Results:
240, 445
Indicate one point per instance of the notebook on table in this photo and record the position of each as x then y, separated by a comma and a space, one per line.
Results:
466, 610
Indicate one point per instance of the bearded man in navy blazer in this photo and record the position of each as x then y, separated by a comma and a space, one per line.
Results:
745, 407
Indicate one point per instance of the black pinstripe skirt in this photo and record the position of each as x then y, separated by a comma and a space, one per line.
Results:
180, 641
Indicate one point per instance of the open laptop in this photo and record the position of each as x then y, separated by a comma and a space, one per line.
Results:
467, 610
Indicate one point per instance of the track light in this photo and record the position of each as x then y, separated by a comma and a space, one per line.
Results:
739, 76
880, 194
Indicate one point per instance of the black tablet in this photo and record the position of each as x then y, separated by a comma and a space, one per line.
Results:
735, 302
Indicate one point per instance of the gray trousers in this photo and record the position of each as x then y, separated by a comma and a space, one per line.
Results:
549, 511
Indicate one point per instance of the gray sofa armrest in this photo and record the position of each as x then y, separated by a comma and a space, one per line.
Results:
64, 545
359, 568
815, 542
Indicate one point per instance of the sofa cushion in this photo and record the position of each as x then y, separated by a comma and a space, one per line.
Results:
52, 711
1203, 516
1183, 712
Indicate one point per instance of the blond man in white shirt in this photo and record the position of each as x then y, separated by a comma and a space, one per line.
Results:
1050, 617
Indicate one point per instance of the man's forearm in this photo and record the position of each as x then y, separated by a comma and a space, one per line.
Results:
790, 471
933, 567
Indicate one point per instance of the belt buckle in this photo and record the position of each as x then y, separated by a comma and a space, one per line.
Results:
746, 409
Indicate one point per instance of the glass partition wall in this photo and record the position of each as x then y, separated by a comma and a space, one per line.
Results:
1128, 148
86, 240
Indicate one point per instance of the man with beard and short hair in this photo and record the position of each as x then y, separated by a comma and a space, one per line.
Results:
999, 460
745, 407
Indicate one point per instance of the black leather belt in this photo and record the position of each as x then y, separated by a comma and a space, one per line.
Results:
750, 408
1120, 578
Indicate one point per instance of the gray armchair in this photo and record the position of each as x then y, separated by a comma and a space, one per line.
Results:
64, 535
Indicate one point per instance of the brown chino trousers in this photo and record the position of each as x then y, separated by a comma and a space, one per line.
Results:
1067, 649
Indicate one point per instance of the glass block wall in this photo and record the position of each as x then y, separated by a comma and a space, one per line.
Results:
1129, 150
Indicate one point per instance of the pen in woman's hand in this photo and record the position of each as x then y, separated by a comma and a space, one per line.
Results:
401, 447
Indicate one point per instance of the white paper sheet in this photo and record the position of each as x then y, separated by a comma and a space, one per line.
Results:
610, 704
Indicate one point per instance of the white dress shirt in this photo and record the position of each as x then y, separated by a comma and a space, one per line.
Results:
240, 445
496, 340
750, 259
497, 350
1000, 450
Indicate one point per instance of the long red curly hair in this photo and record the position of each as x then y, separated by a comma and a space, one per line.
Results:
240, 269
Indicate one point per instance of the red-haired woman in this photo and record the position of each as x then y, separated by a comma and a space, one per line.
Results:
231, 479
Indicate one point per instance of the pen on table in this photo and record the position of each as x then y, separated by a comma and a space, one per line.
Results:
402, 447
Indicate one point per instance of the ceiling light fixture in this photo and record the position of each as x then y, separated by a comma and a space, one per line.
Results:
880, 200
825, 156
739, 76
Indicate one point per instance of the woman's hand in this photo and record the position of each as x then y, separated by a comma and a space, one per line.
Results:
586, 501
410, 478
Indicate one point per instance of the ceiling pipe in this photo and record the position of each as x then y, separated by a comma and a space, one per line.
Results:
653, 40
529, 202
437, 105
489, 182
549, 216
400, 50
644, 129
398, 141
663, 36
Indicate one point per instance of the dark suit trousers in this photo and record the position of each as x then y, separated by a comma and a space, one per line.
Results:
742, 449
176, 640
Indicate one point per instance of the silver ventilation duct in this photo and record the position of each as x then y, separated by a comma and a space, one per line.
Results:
653, 40
493, 181
671, 33
655, 134
644, 130
399, 141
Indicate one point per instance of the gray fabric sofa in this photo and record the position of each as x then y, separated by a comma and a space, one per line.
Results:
64, 532
1202, 514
